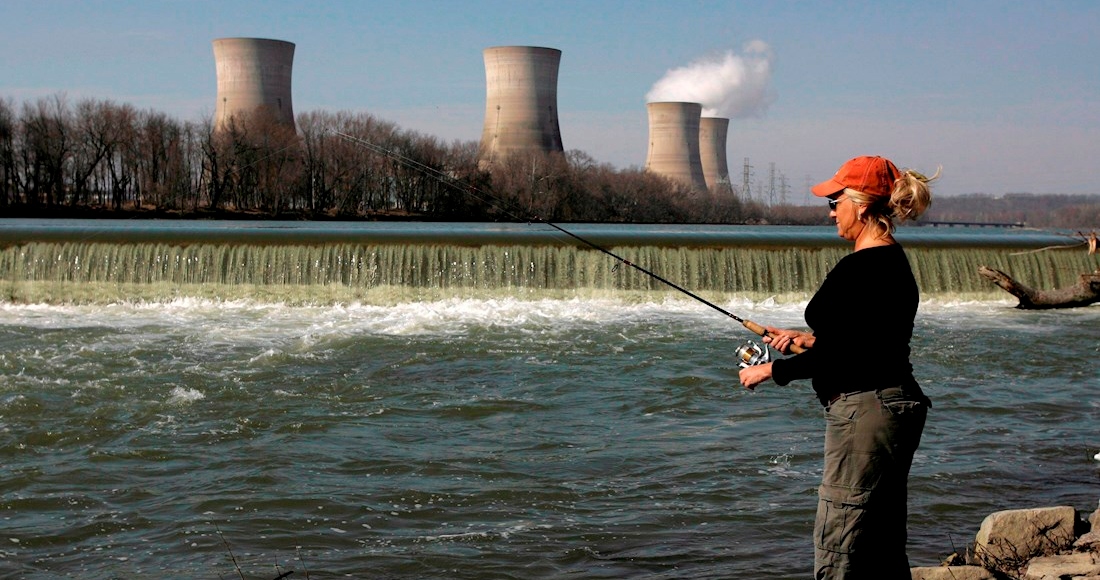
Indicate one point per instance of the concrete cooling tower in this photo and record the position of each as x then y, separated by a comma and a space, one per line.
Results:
674, 142
712, 152
253, 73
521, 103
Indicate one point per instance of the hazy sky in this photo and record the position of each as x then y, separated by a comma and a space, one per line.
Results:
1004, 95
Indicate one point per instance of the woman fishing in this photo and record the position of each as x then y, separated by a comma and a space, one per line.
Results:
857, 357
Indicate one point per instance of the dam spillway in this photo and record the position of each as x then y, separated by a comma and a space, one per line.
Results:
85, 261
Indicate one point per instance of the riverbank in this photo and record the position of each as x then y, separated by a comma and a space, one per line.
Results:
1027, 544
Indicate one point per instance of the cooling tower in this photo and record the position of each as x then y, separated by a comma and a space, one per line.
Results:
674, 142
521, 103
712, 152
253, 73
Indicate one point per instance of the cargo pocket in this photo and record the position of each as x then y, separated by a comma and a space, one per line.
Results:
840, 520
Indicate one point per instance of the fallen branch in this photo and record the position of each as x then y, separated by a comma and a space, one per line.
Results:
1086, 292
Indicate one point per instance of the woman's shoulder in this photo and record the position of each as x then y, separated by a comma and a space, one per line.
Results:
884, 252
874, 257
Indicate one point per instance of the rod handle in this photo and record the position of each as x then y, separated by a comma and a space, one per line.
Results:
760, 330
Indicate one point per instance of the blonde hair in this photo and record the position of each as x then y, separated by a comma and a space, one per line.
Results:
909, 198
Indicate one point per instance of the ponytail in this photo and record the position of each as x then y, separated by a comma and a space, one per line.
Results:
911, 195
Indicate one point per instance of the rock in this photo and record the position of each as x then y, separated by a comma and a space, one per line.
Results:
1028, 544
1063, 566
952, 573
1088, 542
1008, 539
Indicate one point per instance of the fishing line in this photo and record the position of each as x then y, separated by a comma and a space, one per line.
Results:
751, 354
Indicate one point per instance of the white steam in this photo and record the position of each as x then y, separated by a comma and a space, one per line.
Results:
727, 85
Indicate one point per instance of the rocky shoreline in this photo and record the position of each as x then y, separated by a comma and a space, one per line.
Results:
1052, 543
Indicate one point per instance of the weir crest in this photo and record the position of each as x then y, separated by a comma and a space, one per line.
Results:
104, 272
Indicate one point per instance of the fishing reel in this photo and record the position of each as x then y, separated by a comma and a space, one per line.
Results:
751, 354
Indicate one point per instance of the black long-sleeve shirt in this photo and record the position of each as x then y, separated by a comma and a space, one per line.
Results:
862, 320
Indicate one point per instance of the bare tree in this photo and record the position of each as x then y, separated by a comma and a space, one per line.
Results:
48, 146
274, 159
9, 182
99, 131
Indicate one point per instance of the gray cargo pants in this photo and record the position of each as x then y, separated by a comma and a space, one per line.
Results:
870, 439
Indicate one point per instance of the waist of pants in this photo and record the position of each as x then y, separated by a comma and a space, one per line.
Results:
840, 396
914, 394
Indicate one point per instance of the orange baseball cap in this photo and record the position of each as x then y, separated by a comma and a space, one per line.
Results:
871, 175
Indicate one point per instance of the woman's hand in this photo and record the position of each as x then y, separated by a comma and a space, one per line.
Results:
754, 375
781, 339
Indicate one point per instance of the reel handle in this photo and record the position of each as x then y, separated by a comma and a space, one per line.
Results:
760, 330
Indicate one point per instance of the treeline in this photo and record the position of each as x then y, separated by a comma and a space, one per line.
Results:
58, 158
100, 158
1033, 210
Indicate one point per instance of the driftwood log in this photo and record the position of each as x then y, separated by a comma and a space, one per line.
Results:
1086, 292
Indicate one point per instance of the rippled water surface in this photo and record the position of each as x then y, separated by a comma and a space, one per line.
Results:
479, 438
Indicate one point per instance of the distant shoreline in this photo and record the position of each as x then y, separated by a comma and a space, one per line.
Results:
106, 213
62, 212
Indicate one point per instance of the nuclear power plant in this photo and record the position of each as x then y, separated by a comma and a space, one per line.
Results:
253, 73
674, 142
521, 103
712, 153
521, 108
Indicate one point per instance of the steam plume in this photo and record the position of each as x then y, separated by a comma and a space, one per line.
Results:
727, 85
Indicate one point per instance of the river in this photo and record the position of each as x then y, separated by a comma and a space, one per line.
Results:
518, 408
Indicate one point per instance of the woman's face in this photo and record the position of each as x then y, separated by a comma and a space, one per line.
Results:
846, 215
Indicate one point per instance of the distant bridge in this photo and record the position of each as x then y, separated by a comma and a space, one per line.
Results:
973, 224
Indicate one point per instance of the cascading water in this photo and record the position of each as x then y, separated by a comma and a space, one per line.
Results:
50, 272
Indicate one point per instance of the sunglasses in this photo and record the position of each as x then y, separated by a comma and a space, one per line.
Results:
833, 203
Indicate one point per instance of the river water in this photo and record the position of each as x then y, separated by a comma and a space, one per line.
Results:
504, 432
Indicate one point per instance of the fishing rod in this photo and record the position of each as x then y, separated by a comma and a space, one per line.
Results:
749, 354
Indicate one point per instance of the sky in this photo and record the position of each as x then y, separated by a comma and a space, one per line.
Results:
1003, 95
